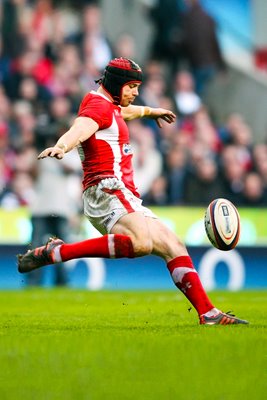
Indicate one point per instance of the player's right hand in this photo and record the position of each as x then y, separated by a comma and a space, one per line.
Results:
55, 151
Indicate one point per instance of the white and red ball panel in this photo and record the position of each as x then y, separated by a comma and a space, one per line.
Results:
222, 224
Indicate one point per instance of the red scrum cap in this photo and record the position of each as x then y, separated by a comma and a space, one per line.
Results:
120, 72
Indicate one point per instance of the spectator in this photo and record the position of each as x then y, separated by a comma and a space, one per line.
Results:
91, 39
205, 131
253, 194
69, 56
125, 46
18, 193
28, 64
52, 211
40, 22
89, 74
12, 38
153, 89
57, 119
186, 100
233, 173
37, 95
176, 167
25, 123
166, 16
201, 44
157, 194
202, 185
239, 134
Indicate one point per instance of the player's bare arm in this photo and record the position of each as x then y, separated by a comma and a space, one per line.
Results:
80, 131
132, 112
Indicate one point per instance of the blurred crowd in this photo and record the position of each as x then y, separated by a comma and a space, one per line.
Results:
50, 54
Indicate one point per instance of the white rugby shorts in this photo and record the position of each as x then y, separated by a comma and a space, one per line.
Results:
108, 201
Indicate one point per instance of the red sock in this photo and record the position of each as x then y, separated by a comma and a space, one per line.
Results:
107, 246
187, 280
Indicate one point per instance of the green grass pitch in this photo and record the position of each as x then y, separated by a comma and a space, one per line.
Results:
73, 345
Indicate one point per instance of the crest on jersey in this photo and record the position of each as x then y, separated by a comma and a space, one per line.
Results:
127, 149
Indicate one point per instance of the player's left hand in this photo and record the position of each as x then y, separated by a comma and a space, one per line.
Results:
55, 151
161, 114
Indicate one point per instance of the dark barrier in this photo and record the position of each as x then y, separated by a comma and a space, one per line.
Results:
242, 268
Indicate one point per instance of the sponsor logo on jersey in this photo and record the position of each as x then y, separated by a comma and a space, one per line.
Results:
127, 149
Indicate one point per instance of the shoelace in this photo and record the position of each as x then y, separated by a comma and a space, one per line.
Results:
230, 313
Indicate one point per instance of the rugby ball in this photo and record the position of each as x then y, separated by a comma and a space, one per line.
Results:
222, 224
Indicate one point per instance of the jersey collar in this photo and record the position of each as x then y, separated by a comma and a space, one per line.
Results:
101, 95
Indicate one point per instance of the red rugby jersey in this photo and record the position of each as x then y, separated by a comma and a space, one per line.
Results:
108, 152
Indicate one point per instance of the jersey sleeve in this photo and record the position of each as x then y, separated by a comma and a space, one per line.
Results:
95, 108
